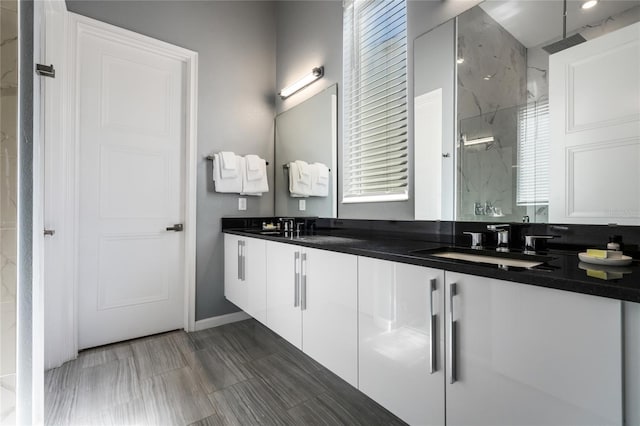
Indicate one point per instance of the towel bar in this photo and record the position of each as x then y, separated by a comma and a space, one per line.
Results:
286, 167
210, 158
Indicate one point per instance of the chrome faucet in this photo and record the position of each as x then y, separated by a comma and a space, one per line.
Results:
288, 223
530, 242
476, 239
502, 231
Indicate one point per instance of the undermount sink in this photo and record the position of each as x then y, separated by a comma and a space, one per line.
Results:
487, 257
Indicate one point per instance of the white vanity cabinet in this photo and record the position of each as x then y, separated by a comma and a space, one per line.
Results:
245, 274
522, 354
401, 339
312, 301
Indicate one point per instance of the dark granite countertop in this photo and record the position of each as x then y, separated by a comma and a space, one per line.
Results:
562, 271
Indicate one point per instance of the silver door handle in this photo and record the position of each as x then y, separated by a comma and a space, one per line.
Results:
303, 271
296, 278
178, 227
433, 321
453, 290
49, 232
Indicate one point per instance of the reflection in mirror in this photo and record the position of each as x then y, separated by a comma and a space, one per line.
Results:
307, 132
548, 137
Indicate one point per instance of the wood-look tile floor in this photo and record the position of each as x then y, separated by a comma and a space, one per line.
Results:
236, 374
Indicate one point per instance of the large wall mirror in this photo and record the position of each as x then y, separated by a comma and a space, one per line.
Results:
307, 132
547, 128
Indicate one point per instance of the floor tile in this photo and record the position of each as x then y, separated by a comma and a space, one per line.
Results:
175, 398
105, 386
291, 384
104, 354
130, 413
213, 372
213, 420
64, 377
250, 403
156, 355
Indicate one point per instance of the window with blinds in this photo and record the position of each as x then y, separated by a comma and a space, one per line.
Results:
533, 154
375, 101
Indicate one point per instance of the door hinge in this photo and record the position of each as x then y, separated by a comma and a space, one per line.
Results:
46, 70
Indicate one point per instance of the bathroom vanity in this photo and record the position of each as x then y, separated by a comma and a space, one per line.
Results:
433, 338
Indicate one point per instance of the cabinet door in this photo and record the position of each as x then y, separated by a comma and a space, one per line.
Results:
399, 305
283, 311
330, 311
522, 354
234, 289
255, 275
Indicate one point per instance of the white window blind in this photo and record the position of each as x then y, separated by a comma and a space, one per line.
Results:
375, 101
533, 154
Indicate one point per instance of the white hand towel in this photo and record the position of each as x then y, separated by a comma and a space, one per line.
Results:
255, 186
304, 172
256, 167
227, 185
319, 180
298, 187
229, 167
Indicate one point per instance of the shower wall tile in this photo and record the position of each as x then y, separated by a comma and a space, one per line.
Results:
8, 400
7, 338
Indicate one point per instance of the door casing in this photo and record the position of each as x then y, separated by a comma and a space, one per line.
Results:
61, 207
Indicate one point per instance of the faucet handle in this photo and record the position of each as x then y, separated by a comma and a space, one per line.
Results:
476, 239
530, 242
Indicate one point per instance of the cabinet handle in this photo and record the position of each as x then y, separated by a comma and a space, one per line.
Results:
239, 259
452, 336
303, 271
244, 261
433, 321
296, 275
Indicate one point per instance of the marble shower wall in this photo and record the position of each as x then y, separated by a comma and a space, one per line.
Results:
8, 197
491, 84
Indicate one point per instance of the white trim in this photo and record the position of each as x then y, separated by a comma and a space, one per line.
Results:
381, 198
64, 105
221, 320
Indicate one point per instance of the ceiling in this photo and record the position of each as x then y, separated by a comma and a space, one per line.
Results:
535, 22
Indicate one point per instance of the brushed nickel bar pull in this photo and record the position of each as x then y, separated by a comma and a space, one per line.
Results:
433, 320
244, 260
452, 336
239, 260
296, 274
303, 269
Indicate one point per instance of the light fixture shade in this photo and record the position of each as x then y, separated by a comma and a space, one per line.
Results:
314, 75
589, 4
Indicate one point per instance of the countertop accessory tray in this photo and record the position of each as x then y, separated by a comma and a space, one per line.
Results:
620, 261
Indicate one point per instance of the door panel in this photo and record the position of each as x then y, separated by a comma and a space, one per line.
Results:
330, 317
528, 355
395, 339
283, 313
255, 270
131, 137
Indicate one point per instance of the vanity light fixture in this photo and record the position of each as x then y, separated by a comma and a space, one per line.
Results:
589, 4
314, 75
460, 60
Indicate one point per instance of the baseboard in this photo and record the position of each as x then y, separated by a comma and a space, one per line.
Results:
221, 320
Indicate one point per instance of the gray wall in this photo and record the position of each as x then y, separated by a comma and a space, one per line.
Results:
310, 34
236, 45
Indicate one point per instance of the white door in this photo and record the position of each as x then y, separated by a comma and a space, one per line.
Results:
329, 303
401, 339
527, 355
595, 130
130, 109
283, 284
